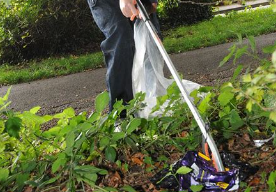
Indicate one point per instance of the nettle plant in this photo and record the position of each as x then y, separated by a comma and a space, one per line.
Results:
247, 101
76, 152
62, 155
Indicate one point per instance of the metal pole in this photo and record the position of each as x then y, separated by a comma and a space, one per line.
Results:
183, 90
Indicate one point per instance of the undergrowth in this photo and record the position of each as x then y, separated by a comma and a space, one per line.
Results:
83, 153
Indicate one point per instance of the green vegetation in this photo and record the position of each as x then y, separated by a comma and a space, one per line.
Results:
82, 154
220, 30
217, 30
52, 67
33, 29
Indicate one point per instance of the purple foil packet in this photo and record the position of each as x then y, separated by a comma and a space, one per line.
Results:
203, 173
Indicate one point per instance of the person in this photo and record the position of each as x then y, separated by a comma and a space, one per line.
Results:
112, 18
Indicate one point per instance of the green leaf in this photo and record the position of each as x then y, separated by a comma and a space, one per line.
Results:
102, 101
110, 154
69, 112
34, 110
239, 38
70, 139
52, 180
61, 161
91, 177
29, 166
235, 120
12, 126
131, 143
128, 188
133, 125
94, 117
269, 49
237, 72
248, 189
273, 59
104, 142
272, 116
4, 174
117, 136
183, 170
232, 50
21, 178
247, 78
240, 52
252, 43
249, 105
89, 169
204, 105
271, 181
6, 96
225, 97
196, 188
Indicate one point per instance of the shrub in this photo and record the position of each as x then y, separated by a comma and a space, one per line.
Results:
39, 28
175, 13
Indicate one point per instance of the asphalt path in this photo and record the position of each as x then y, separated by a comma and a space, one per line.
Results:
79, 90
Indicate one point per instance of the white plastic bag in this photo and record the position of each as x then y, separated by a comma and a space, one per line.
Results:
147, 73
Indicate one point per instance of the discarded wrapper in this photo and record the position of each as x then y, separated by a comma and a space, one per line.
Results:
259, 143
203, 173
245, 169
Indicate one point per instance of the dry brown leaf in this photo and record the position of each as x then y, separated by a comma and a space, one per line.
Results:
184, 134
139, 155
264, 155
151, 186
255, 181
114, 180
137, 161
28, 189
231, 143
246, 137
158, 165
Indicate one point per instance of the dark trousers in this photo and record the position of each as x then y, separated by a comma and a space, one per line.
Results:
118, 48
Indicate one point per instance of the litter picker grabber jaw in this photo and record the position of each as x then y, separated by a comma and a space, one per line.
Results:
203, 127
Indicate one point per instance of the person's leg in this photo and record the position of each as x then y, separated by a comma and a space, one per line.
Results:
155, 22
118, 48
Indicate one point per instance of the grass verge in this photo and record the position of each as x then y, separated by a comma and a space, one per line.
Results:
215, 31
47, 68
220, 30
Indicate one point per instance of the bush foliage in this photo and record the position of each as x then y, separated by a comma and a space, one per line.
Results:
175, 13
40, 28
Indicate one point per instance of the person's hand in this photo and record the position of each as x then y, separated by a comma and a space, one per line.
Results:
128, 8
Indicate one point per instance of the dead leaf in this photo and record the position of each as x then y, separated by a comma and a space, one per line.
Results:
137, 161
158, 165
139, 155
28, 189
264, 155
184, 134
246, 137
231, 143
114, 180
255, 181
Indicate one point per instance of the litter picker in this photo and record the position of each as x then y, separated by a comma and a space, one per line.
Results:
203, 127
